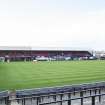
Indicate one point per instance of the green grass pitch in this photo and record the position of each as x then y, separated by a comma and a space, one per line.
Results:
22, 75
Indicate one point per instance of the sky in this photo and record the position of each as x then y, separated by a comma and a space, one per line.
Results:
53, 23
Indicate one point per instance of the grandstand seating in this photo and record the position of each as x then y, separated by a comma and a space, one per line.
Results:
32, 54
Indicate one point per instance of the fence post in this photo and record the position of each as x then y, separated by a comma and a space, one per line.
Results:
37, 100
99, 96
90, 92
69, 101
81, 95
7, 102
93, 100
61, 99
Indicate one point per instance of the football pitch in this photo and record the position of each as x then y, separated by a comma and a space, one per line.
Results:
23, 75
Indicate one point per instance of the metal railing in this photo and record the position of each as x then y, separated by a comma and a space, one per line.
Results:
92, 96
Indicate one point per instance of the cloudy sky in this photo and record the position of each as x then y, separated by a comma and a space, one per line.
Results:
53, 23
